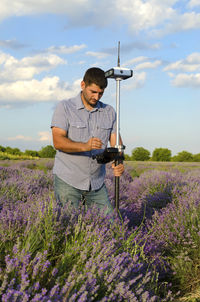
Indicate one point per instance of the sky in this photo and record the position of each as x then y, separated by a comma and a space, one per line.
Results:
46, 46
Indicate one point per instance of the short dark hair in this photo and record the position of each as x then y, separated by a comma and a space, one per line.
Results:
96, 76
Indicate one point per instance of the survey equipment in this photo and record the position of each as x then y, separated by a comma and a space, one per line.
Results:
116, 153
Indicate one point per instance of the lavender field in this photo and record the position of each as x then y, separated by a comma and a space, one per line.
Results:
149, 253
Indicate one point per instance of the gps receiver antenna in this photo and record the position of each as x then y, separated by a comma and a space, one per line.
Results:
118, 60
118, 73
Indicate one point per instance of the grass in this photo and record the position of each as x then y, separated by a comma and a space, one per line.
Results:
139, 167
43, 164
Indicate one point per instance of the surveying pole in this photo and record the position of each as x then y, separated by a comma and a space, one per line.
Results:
118, 73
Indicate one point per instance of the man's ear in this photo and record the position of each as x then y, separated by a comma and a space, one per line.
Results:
82, 85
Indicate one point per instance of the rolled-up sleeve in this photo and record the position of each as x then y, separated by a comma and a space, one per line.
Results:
60, 117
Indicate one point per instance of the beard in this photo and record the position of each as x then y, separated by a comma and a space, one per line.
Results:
88, 100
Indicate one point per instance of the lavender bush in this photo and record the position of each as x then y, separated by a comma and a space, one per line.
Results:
175, 231
48, 253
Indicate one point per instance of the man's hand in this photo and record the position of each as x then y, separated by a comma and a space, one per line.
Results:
118, 170
94, 143
63, 143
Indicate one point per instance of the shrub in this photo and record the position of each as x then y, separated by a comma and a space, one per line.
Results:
31, 153
141, 154
47, 152
13, 151
161, 154
2, 149
184, 156
196, 157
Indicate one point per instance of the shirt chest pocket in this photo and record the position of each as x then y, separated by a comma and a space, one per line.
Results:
78, 131
105, 131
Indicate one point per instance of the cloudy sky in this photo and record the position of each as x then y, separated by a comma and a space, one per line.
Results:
46, 46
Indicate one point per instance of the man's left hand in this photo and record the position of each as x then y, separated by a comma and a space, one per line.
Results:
118, 170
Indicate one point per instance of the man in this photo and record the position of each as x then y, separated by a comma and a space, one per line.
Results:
82, 127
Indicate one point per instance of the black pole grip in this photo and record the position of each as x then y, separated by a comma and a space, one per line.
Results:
119, 160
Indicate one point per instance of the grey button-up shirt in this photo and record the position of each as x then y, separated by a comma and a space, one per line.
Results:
79, 169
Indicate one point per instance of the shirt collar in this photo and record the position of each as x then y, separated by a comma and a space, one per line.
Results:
78, 101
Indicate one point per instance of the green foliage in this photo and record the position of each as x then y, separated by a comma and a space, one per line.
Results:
13, 151
184, 156
161, 154
140, 154
9, 156
127, 157
47, 152
196, 157
2, 149
32, 153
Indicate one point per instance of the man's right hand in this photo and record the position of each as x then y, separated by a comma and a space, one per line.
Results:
94, 143
63, 143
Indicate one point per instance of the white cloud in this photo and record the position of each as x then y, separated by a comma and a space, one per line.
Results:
24, 7
98, 55
148, 65
137, 14
193, 3
14, 44
187, 80
66, 49
79, 12
48, 89
13, 69
145, 15
135, 61
45, 136
185, 73
158, 17
187, 21
20, 137
179, 23
142, 62
190, 64
137, 81
17, 82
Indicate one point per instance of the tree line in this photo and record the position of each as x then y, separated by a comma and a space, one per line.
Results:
45, 152
138, 154
161, 154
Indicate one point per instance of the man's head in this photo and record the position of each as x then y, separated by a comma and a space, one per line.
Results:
93, 85
96, 76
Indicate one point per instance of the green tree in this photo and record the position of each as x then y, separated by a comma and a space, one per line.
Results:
161, 154
2, 149
184, 156
196, 157
32, 153
140, 153
127, 157
47, 152
14, 151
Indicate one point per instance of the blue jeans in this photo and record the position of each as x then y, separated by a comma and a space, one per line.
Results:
64, 193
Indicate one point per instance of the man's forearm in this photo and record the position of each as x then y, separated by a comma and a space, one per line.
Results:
67, 145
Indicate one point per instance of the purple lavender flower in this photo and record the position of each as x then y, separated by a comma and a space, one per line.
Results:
62, 254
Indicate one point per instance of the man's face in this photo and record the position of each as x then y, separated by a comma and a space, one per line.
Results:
91, 94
